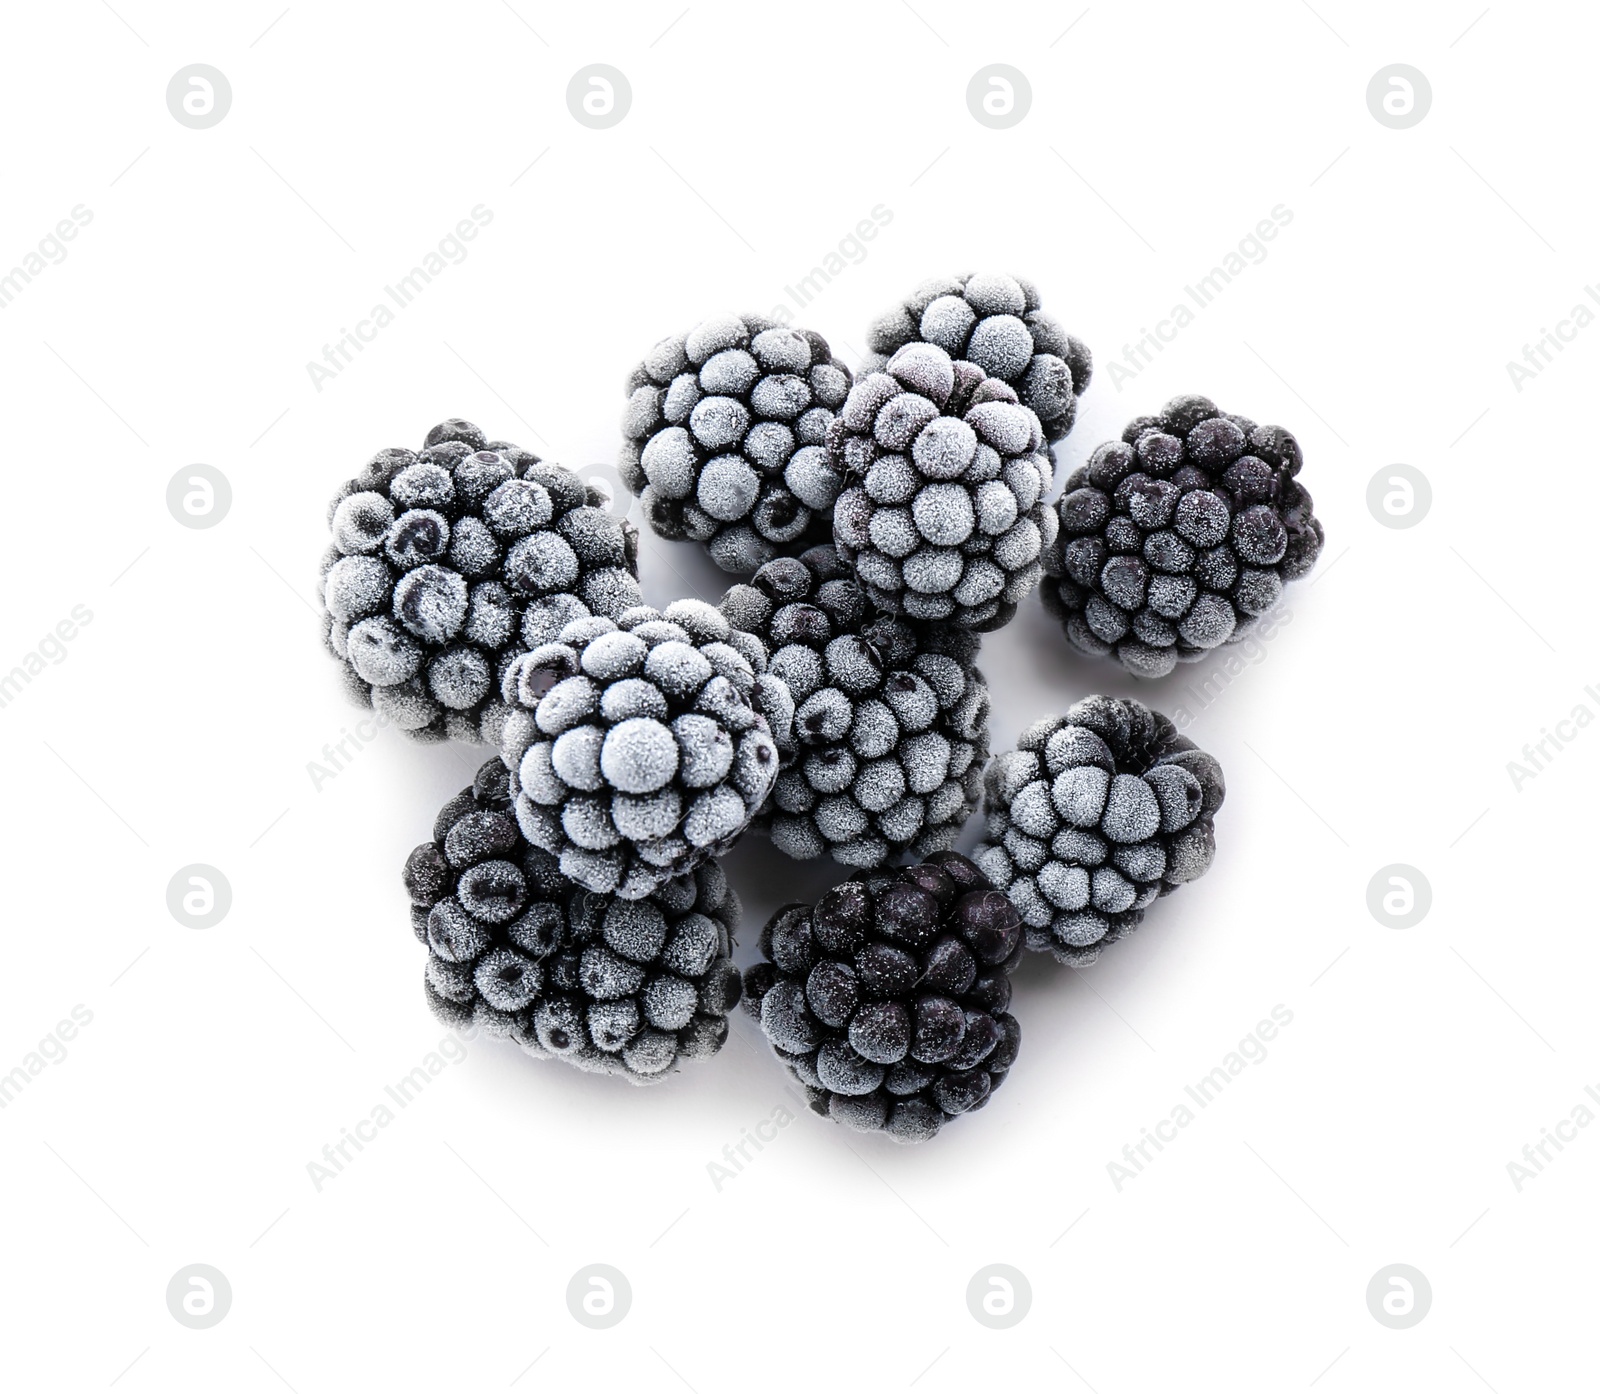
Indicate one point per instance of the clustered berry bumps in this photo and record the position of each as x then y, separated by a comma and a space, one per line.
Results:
995, 322
437, 557
641, 746
725, 428
1094, 815
517, 950
887, 999
1177, 538
890, 728
571, 900
944, 515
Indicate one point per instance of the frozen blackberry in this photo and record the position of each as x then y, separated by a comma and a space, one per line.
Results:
943, 516
448, 561
1178, 537
642, 746
887, 1000
725, 430
891, 722
1094, 815
993, 321
625, 987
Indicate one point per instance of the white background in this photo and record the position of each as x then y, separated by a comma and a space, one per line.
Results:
1376, 729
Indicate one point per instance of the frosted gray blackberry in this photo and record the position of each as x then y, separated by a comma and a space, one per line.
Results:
891, 725
448, 561
943, 517
725, 429
642, 746
1091, 817
1179, 537
887, 1000
993, 321
624, 987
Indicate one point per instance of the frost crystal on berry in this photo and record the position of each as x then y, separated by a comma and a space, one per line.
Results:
612, 986
887, 999
943, 514
1179, 537
891, 729
1094, 815
448, 561
725, 428
641, 746
995, 322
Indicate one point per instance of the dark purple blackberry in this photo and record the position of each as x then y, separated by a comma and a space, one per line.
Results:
725, 429
1094, 815
642, 746
891, 724
448, 561
1178, 537
624, 987
943, 517
993, 321
887, 1000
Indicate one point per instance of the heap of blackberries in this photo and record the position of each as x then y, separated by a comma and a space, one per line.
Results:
875, 525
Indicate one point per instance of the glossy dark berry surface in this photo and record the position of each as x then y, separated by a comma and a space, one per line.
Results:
1092, 817
448, 561
887, 999
624, 987
1179, 537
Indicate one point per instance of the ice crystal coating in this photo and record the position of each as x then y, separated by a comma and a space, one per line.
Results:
943, 515
641, 746
1094, 815
887, 999
447, 562
623, 987
995, 322
725, 431
1179, 537
890, 732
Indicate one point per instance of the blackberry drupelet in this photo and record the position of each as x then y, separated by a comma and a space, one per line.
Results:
887, 1000
891, 724
1178, 537
944, 515
1094, 815
448, 561
626, 987
725, 430
993, 321
642, 746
